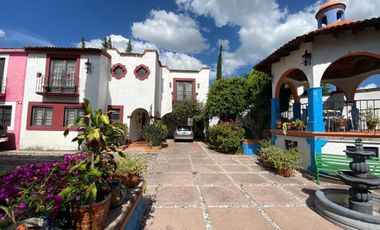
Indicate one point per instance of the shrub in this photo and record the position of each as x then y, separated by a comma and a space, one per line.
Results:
118, 138
154, 134
226, 138
285, 160
270, 151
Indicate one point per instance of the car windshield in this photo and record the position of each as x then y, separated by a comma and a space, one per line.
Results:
184, 128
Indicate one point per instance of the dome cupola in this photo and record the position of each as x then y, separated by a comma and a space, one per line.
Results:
330, 12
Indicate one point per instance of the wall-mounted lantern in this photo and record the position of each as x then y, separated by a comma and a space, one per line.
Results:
306, 58
88, 65
170, 84
198, 85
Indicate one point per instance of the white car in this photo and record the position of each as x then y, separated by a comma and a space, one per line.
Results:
183, 132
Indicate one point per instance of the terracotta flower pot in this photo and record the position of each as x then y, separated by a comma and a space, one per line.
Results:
267, 164
130, 180
371, 126
285, 172
91, 216
278, 124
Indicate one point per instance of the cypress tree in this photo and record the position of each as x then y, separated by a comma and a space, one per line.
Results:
129, 47
219, 65
83, 41
105, 42
109, 42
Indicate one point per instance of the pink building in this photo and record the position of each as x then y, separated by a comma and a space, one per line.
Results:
12, 77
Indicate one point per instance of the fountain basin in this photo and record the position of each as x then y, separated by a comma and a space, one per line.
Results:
368, 182
332, 204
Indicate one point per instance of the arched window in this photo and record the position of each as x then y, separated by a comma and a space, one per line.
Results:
339, 15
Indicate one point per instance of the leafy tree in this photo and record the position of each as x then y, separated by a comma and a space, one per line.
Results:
83, 42
227, 99
257, 121
219, 65
129, 47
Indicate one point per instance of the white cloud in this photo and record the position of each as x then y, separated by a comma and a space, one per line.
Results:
264, 26
180, 61
224, 42
2, 33
120, 42
363, 9
173, 60
170, 31
21, 38
369, 86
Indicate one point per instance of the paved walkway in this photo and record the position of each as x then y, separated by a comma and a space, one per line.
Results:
193, 187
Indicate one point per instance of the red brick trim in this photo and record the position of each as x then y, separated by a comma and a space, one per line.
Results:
117, 107
58, 117
296, 133
175, 80
146, 69
114, 67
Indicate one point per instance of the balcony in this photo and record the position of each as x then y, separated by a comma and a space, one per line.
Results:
56, 87
344, 116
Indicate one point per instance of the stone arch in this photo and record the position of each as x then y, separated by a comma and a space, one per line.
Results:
356, 66
139, 117
293, 74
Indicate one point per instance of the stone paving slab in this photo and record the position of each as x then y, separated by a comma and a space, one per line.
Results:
193, 187
238, 218
299, 218
176, 219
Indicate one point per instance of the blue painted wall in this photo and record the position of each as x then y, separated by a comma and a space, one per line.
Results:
314, 110
250, 149
275, 112
134, 221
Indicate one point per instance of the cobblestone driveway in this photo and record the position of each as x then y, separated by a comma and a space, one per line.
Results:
193, 187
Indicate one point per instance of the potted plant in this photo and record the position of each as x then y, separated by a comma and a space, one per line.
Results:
340, 123
371, 119
267, 155
285, 162
278, 124
129, 170
154, 134
299, 124
285, 127
87, 191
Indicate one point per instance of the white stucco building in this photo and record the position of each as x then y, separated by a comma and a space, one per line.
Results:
136, 87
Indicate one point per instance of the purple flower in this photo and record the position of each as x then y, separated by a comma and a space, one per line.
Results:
22, 205
1, 218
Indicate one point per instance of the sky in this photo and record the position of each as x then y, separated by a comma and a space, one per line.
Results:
187, 33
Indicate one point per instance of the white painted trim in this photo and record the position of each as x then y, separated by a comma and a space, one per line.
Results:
4, 83
13, 115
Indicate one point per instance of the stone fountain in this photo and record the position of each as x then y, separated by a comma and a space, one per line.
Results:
352, 209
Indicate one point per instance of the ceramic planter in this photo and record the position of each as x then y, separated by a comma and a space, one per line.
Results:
31, 223
118, 193
278, 124
285, 172
371, 126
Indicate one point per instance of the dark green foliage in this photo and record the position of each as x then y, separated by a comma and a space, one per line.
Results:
257, 121
83, 42
107, 43
129, 47
219, 64
226, 137
227, 99
118, 139
285, 94
154, 134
